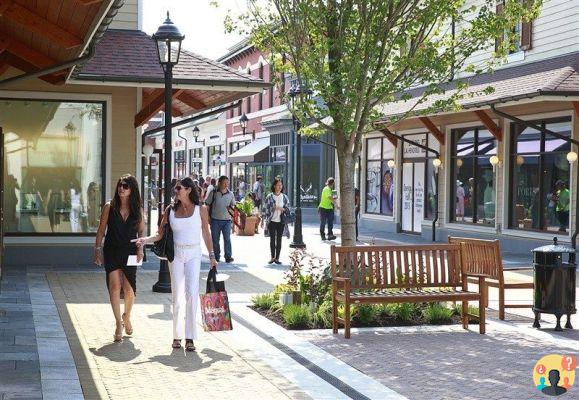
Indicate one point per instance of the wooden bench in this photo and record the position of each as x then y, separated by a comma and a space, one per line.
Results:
401, 274
484, 256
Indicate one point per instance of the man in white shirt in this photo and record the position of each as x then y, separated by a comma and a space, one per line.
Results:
258, 191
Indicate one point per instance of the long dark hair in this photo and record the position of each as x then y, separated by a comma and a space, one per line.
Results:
193, 194
135, 205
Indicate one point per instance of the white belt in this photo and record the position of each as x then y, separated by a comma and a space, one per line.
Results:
187, 246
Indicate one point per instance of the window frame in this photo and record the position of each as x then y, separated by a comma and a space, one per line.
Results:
542, 122
476, 173
103, 162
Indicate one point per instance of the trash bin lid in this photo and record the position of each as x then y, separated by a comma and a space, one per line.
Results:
554, 248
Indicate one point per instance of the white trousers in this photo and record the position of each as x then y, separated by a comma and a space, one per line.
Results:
185, 288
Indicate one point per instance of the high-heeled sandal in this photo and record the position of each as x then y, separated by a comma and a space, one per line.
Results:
128, 331
176, 344
189, 346
118, 337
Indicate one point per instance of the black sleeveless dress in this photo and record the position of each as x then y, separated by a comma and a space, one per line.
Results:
118, 246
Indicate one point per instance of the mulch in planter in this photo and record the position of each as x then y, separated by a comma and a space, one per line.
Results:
382, 321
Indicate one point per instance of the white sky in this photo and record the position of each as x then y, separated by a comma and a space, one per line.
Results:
198, 20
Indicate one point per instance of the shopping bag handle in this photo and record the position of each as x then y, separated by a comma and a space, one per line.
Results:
212, 281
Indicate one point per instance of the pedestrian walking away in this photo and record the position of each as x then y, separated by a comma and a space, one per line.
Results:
189, 220
122, 220
258, 191
328, 202
220, 201
276, 207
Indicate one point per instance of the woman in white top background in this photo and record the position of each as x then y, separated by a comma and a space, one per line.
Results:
189, 221
276, 203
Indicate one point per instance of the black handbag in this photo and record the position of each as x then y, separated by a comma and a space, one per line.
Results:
165, 248
214, 286
288, 216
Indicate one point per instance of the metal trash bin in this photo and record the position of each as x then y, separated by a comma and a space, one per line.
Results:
554, 281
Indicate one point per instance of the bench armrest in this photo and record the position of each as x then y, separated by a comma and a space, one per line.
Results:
340, 279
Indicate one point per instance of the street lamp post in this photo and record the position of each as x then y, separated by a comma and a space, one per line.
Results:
148, 151
168, 40
295, 92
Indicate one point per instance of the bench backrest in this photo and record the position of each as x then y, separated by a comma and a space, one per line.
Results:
385, 267
480, 256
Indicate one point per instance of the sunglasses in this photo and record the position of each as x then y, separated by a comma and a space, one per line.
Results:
123, 185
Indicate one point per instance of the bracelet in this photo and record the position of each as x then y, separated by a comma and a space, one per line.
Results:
98, 248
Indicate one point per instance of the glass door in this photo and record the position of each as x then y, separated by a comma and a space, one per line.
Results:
412, 196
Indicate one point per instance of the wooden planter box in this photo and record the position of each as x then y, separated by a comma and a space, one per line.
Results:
248, 226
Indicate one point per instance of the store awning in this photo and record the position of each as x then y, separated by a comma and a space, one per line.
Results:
256, 151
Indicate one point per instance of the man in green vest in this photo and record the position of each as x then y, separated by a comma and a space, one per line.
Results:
562, 207
326, 209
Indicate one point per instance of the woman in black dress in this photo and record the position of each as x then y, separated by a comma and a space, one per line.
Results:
122, 219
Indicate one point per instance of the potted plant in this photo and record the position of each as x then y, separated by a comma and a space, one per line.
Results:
248, 220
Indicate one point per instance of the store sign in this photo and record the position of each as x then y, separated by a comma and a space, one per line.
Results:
411, 150
418, 196
407, 197
179, 144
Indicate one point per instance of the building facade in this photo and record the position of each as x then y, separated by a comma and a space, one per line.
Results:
267, 147
72, 111
504, 171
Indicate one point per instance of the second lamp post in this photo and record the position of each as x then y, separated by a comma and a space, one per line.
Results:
296, 92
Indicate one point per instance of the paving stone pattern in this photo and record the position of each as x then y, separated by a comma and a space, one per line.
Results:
455, 365
144, 366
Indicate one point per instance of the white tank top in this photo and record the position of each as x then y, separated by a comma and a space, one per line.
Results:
187, 231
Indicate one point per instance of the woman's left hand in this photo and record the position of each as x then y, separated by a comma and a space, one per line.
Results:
213, 263
139, 256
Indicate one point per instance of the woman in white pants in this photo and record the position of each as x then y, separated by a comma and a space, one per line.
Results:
189, 221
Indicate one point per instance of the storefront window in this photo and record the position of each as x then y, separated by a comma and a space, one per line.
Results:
53, 174
540, 196
379, 177
473, 179
179, 164
311, 174
196, 161
217, 161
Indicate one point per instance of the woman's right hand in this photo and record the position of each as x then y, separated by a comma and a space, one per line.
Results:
98, 257
140, 242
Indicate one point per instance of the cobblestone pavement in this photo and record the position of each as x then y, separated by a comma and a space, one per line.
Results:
446, 365
144, 366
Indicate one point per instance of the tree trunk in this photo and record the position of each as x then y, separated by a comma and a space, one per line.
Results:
346, 165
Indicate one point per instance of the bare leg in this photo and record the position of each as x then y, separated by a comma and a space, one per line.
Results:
115, 298
129, 301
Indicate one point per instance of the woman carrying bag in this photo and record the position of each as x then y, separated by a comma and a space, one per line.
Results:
277, 215
122, 221
188, 221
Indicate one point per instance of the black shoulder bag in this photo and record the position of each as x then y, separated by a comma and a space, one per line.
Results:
165, 248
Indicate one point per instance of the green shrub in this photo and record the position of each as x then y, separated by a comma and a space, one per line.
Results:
264, 301
437, 313
322, 318
386, 309
364, 314
282, 288
404, 311
296, 317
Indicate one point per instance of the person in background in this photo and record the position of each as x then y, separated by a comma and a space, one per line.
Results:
326, 210
357, 208
210, 186
276, 203
241, 190
562, 207
121, 221
220, 201
258, 191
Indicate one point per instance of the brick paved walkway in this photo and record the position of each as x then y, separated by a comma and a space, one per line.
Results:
144, 366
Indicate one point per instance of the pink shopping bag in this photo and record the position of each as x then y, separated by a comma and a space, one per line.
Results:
215, 312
